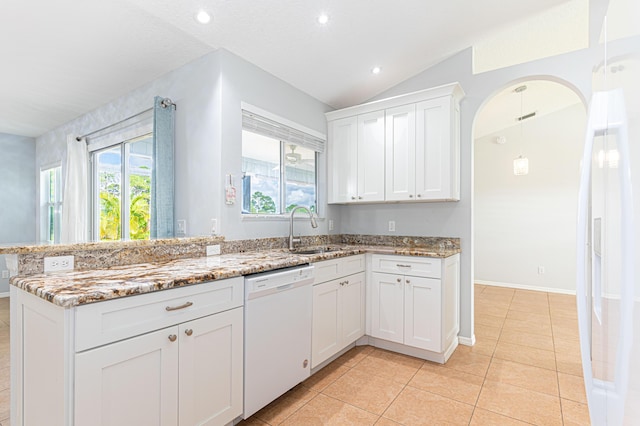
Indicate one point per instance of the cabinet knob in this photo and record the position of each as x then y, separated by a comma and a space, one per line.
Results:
172, 337
353, 198
398, 279
419, 195
359, 198
408, 282
410, 195
188, 332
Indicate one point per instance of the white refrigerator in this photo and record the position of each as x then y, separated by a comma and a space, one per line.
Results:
608, 243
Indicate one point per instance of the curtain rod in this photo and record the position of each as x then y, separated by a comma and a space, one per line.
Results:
166, 102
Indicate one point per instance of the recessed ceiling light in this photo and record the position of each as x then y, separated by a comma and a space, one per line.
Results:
203, 17
376, 70
323, 19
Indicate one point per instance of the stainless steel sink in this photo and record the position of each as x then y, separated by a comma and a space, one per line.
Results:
316, 250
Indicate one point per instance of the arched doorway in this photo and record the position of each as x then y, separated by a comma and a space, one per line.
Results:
524, 225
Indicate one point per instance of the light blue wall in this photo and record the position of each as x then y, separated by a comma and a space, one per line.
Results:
207, 92
242, 81
17, 194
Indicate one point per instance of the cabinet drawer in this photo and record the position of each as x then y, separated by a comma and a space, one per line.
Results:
328, 270
407, 265
104, 322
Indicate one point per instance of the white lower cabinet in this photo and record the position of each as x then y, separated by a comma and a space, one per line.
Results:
185, 367
338, 310
111, 380
414, 301
189, 374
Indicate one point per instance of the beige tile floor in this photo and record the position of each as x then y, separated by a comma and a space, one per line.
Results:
524, 369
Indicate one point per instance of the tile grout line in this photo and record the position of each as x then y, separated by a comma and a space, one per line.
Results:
484, 378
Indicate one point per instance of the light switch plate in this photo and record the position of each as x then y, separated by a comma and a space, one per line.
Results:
392, 226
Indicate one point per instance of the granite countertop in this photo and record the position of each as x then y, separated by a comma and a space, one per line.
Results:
73, 288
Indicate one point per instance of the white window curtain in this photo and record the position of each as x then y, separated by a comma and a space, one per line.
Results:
74, 201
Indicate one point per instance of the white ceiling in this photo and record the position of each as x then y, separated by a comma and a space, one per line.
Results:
64, 58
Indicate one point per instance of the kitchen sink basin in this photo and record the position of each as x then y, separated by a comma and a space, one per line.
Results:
316, 250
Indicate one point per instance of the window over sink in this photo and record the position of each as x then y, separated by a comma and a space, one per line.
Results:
279, 166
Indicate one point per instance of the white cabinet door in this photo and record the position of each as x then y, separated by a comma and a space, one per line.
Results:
387, 307
400, 161
437, 151
132, 382
352, 308
343, 160
325, 332
422, 309
370, 157
211, 366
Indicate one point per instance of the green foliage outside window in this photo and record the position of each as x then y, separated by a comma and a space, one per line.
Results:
139, 213
261, 203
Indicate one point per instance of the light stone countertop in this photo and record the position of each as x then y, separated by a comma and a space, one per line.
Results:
73, 288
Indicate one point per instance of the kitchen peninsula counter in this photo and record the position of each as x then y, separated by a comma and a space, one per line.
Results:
78, 287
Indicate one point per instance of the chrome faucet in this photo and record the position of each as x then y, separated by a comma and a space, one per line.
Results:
314, 224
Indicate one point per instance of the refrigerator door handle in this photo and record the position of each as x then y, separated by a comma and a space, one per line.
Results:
607, 114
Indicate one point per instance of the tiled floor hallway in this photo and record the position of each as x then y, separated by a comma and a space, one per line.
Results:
524, 369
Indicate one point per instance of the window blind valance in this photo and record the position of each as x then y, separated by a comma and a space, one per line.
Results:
270, 128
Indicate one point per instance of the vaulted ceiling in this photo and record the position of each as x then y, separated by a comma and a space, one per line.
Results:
61, 59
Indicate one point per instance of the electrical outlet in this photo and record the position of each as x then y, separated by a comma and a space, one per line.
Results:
58, 263
540, 270
214, 226
330, 224
5, 274
213, 250
392, 226
182, 228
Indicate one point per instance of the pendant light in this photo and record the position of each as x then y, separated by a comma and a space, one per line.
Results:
521, 164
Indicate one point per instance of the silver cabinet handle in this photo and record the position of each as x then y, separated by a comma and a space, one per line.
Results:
175, 308
188, 332
172, 337
400, 265
344, 282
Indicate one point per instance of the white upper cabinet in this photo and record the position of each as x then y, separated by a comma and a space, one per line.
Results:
438, 149
370, 157
343, 157
405, 148
400, 153
356, 155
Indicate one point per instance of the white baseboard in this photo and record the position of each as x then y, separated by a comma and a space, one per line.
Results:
467, 341
4, 294
525, 287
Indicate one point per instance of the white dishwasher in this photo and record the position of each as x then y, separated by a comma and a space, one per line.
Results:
277, 335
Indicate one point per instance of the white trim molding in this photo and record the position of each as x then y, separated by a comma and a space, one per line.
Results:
525, 287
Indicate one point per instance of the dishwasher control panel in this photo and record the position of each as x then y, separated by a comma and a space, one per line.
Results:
278, 279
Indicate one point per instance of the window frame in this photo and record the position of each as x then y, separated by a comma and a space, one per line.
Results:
46, 204
278, 128
125, 153
282, 187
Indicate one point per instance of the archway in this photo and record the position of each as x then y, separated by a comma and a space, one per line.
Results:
524, 225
